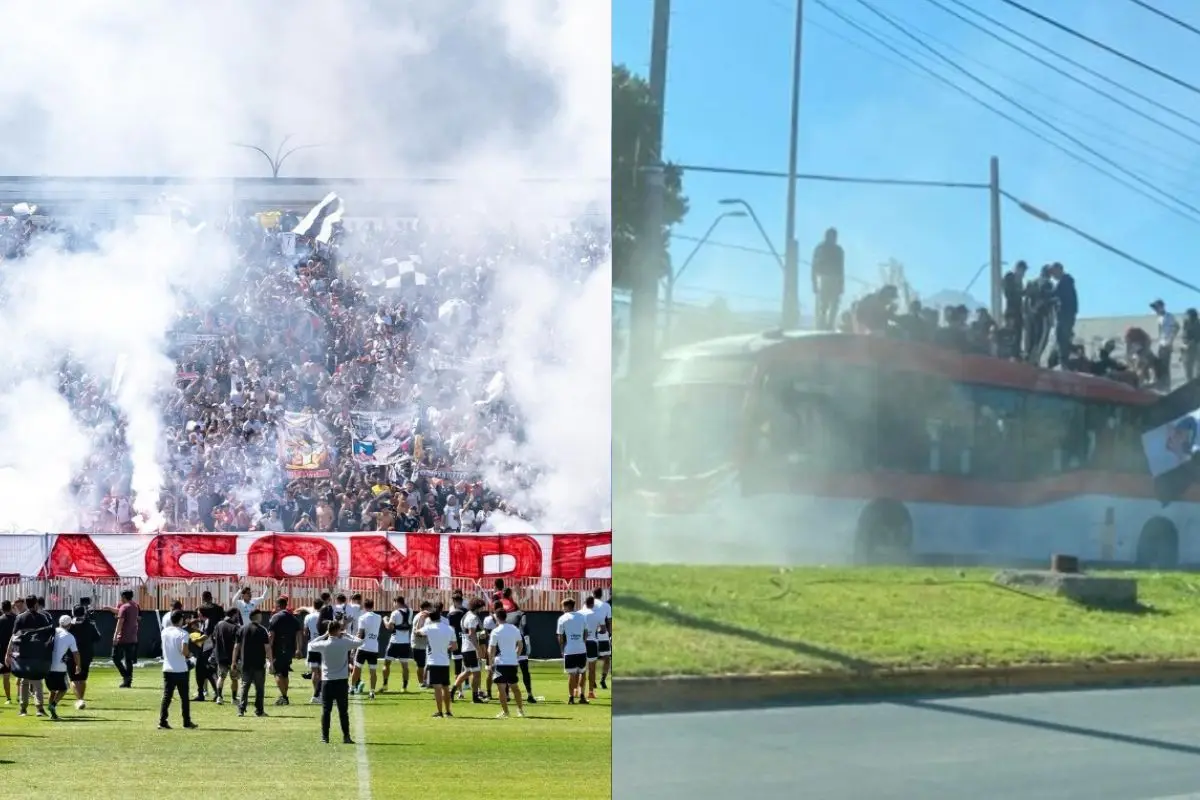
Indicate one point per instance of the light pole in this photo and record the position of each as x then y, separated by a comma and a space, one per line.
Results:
280, 156
791, 270
675, 275
737, 201
979, 272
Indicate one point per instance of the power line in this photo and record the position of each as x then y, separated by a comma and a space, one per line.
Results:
1034, 211
1191, 87
1066, 135
1092, 131
1078, 65
762, 173
1166, 16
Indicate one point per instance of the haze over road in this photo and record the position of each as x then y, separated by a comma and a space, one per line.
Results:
1125, 744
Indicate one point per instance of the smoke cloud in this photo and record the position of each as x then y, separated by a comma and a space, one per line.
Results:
487, 92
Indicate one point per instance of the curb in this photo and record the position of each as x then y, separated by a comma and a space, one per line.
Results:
727, 692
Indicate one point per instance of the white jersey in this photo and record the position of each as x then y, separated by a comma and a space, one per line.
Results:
64, 642
604, 611
505, 639
573, 627
368, 625
593, 621
312, 625
470, 627
401, 616
353, 615
439, 636
418, 638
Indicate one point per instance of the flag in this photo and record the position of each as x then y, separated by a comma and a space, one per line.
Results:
396, 274
181, 211
318, 223
1170, 441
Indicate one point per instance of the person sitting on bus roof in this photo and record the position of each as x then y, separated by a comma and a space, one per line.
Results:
981, 334
877, 311
914, 325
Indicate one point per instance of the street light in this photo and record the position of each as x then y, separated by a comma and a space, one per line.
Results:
979, 272
674, 276
277, 160
737, 201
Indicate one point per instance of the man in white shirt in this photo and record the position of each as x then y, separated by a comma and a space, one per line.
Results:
439, 638
505, 645
247, 604
368, 625
399, 624
353, 611
1168, 332
572, 635
593, 623
175, 671
165, 621
420, 647
604, 637
470, 653
312, 632
56, 681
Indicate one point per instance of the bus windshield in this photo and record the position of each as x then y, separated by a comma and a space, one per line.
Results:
699, 404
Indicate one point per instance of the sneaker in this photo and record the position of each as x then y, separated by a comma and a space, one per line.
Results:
592, 695
260, 713
53, 712
22, 713
198, 698
571, 700
81, 705
583, 702
162, 726
315, 701
190, 725
502, 715
41, 712
347, 740
531, 699
371, 695
218, 700
520, 713
241, 712
450, 714
438, 715
324, 740
280, 701
604, 683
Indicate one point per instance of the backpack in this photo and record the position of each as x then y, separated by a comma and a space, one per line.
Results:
31, 653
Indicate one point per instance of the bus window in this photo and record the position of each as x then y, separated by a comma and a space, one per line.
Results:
698, 427
816, 424
903, 438
950, 423
1128, 455
1053, 431
1100, 432
998, 432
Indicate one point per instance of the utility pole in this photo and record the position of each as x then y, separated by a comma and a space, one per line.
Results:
643, 298
997, 254
791, 271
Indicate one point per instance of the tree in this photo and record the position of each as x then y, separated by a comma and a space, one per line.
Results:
633, 116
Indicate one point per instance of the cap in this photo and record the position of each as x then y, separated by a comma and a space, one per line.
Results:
1158, 304
65, 621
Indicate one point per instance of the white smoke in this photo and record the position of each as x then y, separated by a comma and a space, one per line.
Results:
487, 91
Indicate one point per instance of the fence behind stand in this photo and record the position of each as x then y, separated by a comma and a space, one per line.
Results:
533, 595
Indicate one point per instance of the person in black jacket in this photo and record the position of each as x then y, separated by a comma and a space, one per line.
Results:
7, 618
1039, 315
86, 635
828, 279
1013, 288
1066, 309
1190, 339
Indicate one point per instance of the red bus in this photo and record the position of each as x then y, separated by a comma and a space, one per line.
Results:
827, 447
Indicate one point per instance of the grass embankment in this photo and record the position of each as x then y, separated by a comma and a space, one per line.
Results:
694, 620
112, 750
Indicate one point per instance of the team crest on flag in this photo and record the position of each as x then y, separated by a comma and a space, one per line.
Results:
1170, 441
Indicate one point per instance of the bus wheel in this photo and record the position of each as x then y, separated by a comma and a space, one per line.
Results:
1158, 545
885, 532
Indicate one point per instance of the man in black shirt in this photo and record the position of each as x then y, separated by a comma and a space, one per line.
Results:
828, 279
224, 639
251, 655
31, 619
86, 635
1013, 286
1066, 307
7, 618
209, 614
283, 635
455, 618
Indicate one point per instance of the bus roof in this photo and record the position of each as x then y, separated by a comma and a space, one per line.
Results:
775, 347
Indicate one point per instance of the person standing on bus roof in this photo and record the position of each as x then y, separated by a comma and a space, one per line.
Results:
1039, 313
1013, 286
1191, 343
1066, 307
828, 279
1168, 332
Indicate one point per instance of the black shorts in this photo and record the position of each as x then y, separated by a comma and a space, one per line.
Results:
314, 658
283, 663
363, 657
438, 676
592, 650
419, 654
604, 648
56, 681
505, 673
85, 668
4, 670
399, 652
470, 661
575, 663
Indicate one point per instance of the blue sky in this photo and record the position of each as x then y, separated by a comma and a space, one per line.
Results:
728, 96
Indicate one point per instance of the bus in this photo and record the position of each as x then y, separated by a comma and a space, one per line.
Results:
821, 447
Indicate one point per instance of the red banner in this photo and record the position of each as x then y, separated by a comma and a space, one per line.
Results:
326, 555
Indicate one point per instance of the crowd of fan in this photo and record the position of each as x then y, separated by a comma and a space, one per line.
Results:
1038, 326
323, 331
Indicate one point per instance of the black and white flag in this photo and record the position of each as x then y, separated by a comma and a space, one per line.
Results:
396, 274
318, 223
1170, 441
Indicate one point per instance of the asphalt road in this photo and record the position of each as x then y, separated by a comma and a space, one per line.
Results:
1123, 744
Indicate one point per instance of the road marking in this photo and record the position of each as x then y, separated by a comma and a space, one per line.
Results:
360, 749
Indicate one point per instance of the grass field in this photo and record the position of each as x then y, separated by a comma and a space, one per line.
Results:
693, 620
112, 748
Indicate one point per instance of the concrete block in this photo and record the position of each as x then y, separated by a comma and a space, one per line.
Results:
1090, 590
